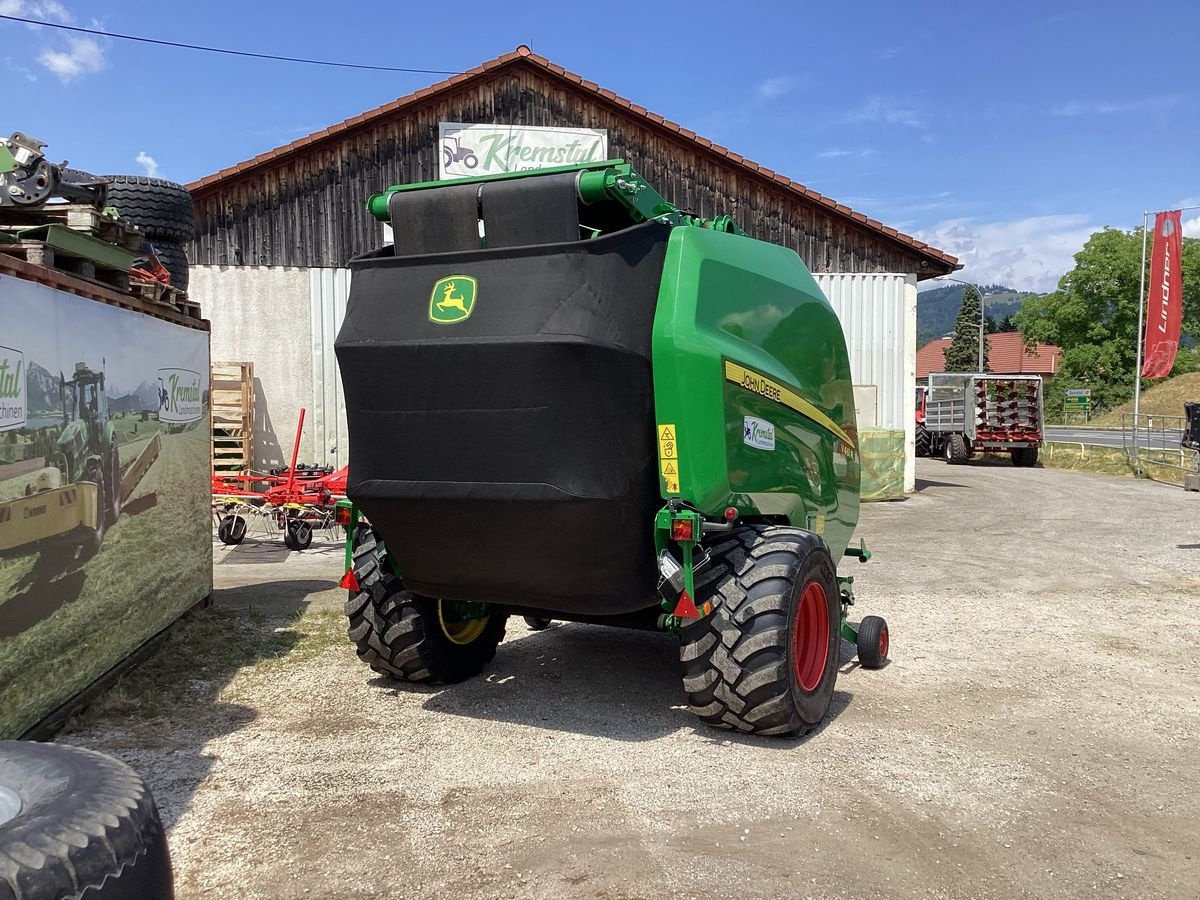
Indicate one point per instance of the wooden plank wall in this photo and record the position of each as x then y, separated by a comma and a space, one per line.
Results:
309, 209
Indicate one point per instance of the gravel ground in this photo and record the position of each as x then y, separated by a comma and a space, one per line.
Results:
1034, 736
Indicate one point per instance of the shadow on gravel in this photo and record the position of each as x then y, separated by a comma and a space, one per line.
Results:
923, 483
159, 716
592, 680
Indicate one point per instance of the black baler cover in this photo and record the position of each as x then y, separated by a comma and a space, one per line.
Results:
510, 457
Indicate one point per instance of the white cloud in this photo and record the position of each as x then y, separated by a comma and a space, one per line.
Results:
83, 56
1026, 254
1109, 107
889, 53
836, 153
21, 70
1191, 227
776, 87
148, 163
46, 10
886, 111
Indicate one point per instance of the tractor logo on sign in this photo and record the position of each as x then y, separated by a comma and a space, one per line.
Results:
452, 300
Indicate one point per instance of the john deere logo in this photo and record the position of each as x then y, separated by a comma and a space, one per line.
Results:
452, 300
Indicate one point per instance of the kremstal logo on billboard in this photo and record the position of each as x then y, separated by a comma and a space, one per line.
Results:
12, 388
179, 396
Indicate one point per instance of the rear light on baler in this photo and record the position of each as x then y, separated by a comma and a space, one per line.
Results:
682, 530
342, 515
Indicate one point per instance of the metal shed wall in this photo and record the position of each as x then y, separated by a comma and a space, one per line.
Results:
879, 318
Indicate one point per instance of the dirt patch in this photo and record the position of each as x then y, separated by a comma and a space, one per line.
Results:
1029, 738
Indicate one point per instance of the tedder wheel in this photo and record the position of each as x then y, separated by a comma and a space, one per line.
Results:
1025, 457
872, 642
410, 637
765, 660
922, 441
537, 623
75, 823
297, 534
232, 530
956, 449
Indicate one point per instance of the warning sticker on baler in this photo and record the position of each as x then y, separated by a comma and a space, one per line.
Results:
668, 456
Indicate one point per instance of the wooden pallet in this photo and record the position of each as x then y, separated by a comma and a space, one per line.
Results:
62, 248
76, 216
232, 396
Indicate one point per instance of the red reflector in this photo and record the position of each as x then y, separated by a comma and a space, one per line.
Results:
685, 608
349, 581
341, 515
681, 530
730, 514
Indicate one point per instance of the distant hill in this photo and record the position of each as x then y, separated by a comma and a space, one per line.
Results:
42, 397
938, 307
145, 397
1164, 399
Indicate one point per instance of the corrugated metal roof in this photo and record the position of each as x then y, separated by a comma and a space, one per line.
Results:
524, 56
1007, 355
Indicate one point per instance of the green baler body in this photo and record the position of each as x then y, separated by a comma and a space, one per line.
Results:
739, 336
738, 319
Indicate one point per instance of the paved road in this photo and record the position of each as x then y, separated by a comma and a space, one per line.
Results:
1111, 437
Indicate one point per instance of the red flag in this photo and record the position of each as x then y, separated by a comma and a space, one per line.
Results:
1164, 310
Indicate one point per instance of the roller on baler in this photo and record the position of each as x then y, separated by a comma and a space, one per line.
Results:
568, 399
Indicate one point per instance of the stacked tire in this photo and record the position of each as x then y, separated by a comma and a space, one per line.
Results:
163, 211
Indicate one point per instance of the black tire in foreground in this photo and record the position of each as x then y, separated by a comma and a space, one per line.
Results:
766, 659
406, 636
77, 825
1025, 457
956, 449
923, 441
162, 209
174, 259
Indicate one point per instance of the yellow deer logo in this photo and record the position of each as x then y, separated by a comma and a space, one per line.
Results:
452, 299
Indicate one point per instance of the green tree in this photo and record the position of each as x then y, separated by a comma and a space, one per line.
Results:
1093, 314
963, 353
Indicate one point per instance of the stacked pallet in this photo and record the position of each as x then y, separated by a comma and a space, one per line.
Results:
232, 398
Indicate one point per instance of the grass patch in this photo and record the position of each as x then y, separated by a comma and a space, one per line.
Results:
1164, 399
204, 652
1159, 465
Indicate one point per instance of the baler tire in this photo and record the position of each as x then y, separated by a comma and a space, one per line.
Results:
161, 209
397, 633
923, 441
78, 824
742, 663
873, 642
957, 451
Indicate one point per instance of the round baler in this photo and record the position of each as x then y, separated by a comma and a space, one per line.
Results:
569, 400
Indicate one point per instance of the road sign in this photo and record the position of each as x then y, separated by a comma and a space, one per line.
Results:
1079, 392
1077, 404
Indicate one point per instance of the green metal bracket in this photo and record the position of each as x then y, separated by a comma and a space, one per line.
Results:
861, 551
350, 529
7, 162
663, 522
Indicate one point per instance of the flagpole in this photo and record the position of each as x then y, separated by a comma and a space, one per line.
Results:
1137, 372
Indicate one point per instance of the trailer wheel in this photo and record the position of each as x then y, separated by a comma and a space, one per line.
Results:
923, 441
873, 642
956, 449
765, 660
232, 530
1025, 457
75, 823
402, 635
297, 534
537, 623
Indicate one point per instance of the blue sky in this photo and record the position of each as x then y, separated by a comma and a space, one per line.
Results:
1004, 132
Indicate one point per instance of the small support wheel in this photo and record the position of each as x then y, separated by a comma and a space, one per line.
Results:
232, 530
297, 535
536, 623
872, 642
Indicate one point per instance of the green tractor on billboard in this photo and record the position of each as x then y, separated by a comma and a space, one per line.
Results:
87, 447
568, 399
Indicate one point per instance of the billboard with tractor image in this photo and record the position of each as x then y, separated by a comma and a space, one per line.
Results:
104, 490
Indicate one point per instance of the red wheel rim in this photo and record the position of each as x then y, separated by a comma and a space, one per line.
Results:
810, 637
883, 643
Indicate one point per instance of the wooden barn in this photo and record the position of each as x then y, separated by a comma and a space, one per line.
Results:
274, 233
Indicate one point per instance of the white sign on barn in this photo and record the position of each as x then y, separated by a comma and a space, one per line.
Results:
468, 150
